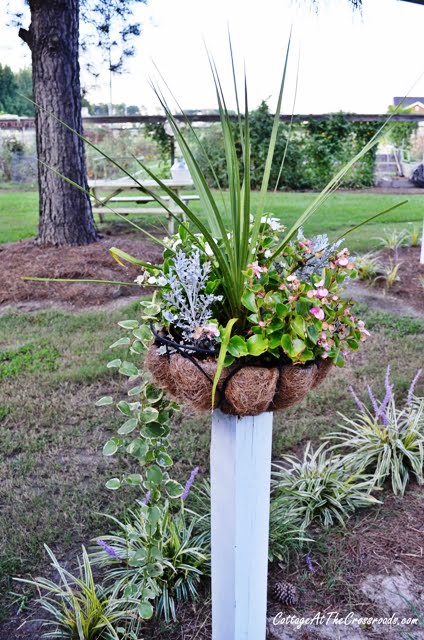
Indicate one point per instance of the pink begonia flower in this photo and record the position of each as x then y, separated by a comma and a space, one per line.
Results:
311, 293
291, 278
317, 312
262, 324
342, 257
324, 356
319, 284
257, 270
321, 292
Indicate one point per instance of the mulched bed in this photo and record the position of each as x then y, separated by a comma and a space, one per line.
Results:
409, 287
25, 258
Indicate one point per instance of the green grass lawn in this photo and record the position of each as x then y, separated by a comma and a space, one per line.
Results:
19, 212
52, 471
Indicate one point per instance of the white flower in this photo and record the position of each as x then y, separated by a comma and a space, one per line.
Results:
139, 279
268, 253
208, 249
152, 280
162, 281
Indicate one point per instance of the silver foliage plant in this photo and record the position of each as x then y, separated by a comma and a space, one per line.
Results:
321, 252
188, 306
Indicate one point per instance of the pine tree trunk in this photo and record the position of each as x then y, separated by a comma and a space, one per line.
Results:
65, 211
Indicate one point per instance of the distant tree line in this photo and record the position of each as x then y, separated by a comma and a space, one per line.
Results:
13, 87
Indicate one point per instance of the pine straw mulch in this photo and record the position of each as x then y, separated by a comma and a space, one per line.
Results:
383, 540
409, 287
25, 258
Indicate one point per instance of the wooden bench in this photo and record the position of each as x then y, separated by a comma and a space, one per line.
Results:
126, 211
105, 202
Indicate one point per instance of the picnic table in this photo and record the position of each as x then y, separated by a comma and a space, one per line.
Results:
105, 193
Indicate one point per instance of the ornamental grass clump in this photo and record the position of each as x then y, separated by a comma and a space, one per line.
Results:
383, 439
319, 487
156, 557
78, 607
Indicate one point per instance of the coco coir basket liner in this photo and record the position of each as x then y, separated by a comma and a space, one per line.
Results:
243, 389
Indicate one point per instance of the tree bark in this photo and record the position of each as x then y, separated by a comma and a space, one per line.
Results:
65, 212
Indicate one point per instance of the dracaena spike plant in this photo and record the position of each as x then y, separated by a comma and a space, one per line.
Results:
234, 280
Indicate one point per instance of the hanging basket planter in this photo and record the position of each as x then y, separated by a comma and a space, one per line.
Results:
244, 389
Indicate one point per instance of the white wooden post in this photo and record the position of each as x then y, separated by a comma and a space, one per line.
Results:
240, 496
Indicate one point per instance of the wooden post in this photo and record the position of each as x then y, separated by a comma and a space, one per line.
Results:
240, 497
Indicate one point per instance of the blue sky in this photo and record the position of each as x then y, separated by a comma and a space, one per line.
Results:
347, 61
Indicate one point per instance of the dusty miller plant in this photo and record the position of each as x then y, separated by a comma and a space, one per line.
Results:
189, 307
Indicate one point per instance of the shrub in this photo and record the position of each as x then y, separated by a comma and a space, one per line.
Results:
384, 440
78, 608
156, 554
319, 487
368, 266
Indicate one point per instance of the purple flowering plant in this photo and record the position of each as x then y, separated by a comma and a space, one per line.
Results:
385, 439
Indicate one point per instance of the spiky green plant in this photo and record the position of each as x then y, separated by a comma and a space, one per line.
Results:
414, 236
156, 554
393, 239
385, 440
78, 608
368, 266
320, 487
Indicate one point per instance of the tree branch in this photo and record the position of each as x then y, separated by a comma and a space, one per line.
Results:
25, 35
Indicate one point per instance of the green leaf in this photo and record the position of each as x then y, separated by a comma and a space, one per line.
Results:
149, 414
282, 310
153, 570
302, 306
114, 363
174, 489
128, 324
275, 325
138, 558
102, 402
124, 407
143, 333
113, 484
237, 347
138, 347
153, 394
164, 460
313, 333
353, 344
135, 391
110, 447
249, 300
134, 479
298, 325
138, 448
154, 430
298, 346
128, 369
225, 339
128, 426
256, 345
122, 342
154, 475
274, 339
150, 308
